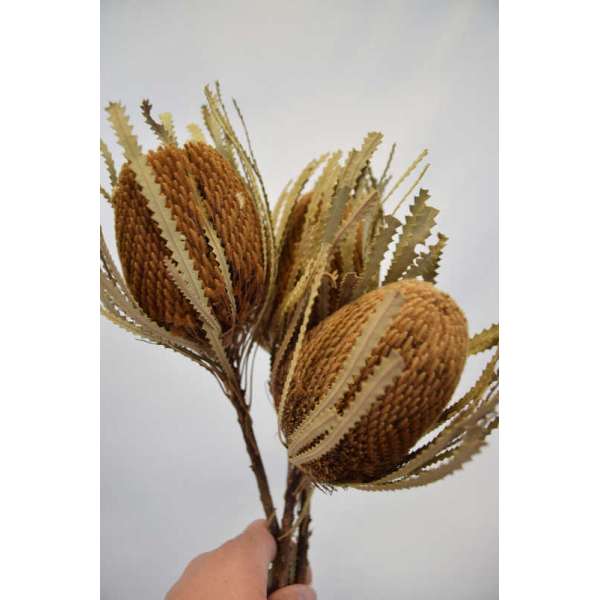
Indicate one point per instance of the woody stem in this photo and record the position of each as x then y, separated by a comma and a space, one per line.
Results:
285, 546
237, 397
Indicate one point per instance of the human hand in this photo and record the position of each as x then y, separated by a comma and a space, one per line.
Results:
237, 570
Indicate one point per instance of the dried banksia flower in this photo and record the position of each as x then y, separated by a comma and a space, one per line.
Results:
371, 379
366, 354
210, 206
194, 237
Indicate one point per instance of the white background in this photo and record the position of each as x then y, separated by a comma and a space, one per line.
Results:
310, 77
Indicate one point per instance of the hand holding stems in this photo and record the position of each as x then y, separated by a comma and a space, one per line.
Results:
237, 570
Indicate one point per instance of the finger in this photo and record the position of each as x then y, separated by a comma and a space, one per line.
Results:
294, 592
258, 536
251, 552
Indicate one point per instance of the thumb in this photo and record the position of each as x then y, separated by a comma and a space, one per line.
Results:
294, 592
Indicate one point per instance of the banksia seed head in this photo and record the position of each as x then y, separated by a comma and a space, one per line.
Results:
425, 343
198, 184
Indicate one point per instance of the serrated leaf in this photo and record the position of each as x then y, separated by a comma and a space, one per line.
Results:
427, 263
258, 195
406, 173
381, 184
337, 426
486, 377
348, 284
166, 119
196, 133
471, 443
370, 276
289, 200
157, 128
107, 196
447, 437
317, 272
216, 246
416, 229
161, 213
376, 325
484, 340
411, 189
355, 163
109, 162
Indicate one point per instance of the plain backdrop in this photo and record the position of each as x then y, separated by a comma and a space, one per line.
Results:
310, 77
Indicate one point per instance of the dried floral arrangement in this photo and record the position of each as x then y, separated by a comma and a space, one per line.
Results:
364, 361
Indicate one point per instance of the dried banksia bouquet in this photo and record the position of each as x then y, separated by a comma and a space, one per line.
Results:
366, 353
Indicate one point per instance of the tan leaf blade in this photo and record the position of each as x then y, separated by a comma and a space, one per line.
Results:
484, 340
406, 173
487, 377
317, 272
381, 244
355, 164
196, 133
416, 229
336, 426
157, 128
106, 196
427, 263
213, 334
447, 437
109, 162
470, 445
166, 119
161, 213
216, 246
375, 326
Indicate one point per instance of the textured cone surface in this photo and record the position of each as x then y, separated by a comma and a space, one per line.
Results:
142, 250
429, 331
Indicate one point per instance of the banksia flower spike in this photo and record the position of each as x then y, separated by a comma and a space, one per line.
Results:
190, 280
365, 361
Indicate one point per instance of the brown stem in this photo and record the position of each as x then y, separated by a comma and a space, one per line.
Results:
281, 567
237, 398
303, 539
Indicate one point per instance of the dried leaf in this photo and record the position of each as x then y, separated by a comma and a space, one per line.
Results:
213, 334
348, 284
381, 244
109, 162
484, 340
406, 173
375, 326
416, 229
428, 262
337, 426
107, 196
166, 119
161, 213
195, 132
317, 272
216, 246
443, 440
487, 376
157, 128
410, 190
355, 163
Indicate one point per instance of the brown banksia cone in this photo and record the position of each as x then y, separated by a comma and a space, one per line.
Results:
219, 223
370, 381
